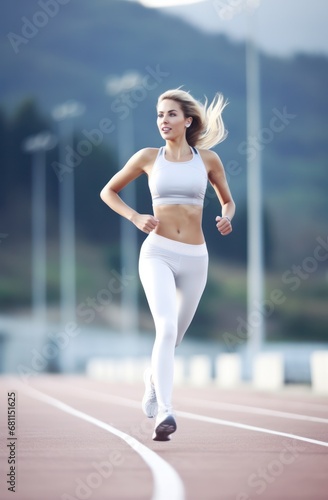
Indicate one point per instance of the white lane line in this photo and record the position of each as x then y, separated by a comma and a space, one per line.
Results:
167, 482
202, 418
216, 405
212, 420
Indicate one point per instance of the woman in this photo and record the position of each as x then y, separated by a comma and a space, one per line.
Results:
173, 258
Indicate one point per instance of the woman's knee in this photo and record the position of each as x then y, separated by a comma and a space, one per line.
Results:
166, 329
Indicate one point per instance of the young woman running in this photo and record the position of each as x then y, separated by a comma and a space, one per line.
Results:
173, 258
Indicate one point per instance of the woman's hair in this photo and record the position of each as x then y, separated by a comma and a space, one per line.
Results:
207, 128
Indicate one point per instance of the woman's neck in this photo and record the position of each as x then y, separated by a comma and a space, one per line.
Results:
177, 151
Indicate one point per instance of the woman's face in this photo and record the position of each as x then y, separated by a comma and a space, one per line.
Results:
171, 121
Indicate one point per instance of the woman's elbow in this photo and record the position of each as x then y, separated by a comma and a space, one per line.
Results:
105, 194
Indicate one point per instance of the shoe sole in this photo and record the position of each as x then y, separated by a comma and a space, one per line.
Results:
164, 429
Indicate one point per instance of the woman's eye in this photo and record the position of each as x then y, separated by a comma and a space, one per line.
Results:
171, 114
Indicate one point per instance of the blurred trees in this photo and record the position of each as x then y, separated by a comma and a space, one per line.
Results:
114, 38
97, 230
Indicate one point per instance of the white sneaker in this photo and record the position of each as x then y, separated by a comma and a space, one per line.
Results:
165, 425
149, 401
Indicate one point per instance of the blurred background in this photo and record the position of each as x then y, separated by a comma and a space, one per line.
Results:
78, 90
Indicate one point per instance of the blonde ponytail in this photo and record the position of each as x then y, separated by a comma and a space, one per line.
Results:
207, 128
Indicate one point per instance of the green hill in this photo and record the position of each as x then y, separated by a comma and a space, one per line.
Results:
70, 54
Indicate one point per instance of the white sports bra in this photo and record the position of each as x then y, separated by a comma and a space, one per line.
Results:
178, 183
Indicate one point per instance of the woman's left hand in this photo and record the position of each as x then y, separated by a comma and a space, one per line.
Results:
224, 225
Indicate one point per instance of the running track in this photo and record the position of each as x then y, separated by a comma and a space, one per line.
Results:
82, 439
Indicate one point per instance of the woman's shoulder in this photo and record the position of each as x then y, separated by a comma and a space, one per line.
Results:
147, 154
210, 158
208, 154
145, 158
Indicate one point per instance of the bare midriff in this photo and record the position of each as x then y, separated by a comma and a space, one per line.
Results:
180, 223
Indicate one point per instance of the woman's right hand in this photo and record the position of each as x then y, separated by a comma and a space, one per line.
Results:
146, 223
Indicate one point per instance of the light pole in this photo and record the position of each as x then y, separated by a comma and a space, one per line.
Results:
255, 265
63, 114
37, 146
129, 245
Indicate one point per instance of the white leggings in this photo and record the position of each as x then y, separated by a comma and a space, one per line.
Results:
173, 275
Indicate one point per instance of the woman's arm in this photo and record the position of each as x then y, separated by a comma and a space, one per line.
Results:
218, 180
137, 165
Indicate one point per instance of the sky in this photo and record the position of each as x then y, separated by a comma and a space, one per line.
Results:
284, 27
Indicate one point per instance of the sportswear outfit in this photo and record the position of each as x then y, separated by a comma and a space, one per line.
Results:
173, 275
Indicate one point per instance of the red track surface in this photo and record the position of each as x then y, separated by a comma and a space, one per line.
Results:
224, 447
